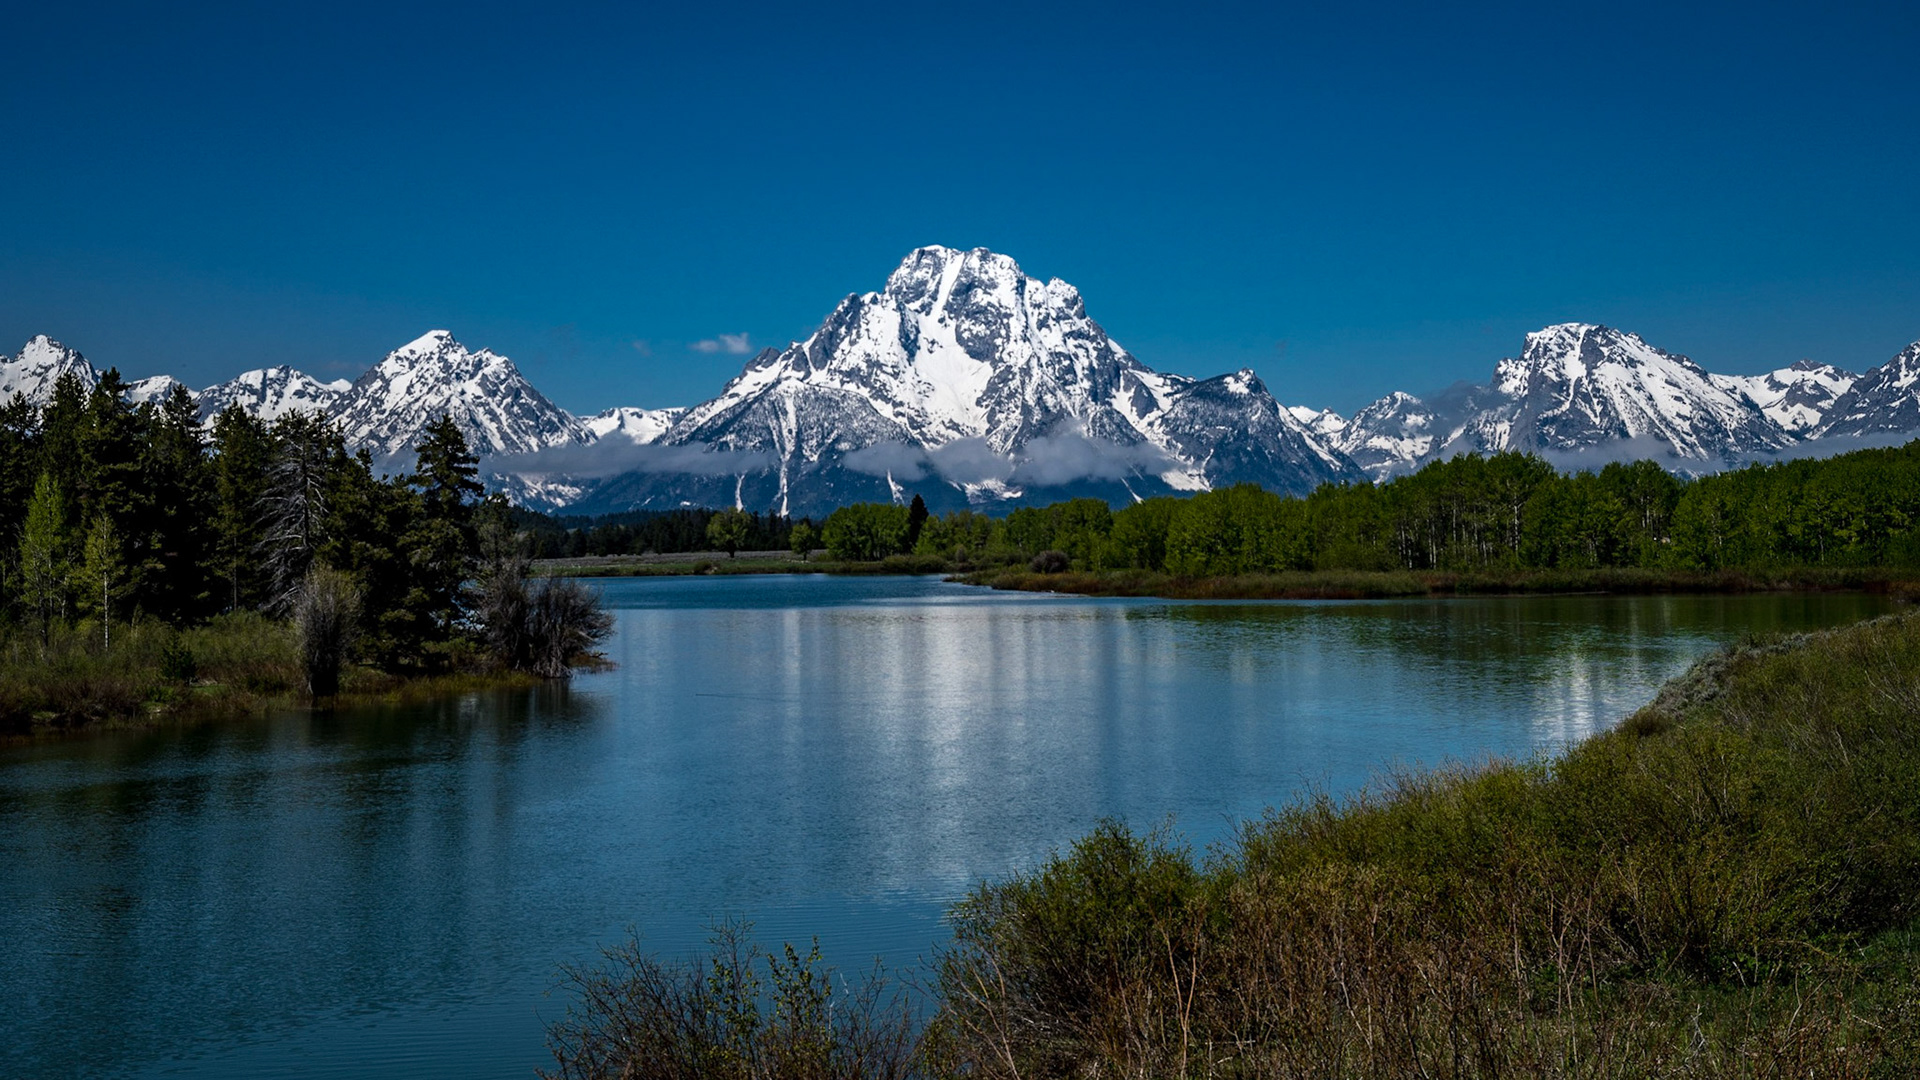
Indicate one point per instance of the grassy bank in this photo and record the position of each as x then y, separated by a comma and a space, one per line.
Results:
1362, 584
234, 665
1728, 884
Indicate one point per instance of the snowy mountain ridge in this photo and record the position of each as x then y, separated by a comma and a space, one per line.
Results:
966, 372
968, 381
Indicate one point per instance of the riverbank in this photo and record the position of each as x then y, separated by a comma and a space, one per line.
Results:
1371, 585
746, 562
1726, 884
234, 665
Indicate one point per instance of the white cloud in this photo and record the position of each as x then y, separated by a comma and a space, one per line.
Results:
1057, 458
611, 457
731, 344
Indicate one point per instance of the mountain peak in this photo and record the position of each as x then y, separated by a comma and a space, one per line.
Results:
431, 343
39, 364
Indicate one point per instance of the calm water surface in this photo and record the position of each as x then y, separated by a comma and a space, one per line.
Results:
387, 892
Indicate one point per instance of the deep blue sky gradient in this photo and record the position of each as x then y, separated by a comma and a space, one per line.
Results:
1350, 202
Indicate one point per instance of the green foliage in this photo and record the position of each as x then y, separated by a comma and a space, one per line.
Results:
43, 554
728, 529
800, 540
865, 531
102, 577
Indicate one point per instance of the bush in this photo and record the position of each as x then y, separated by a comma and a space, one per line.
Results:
564, 623
1049, 562
326, 612
715, 1019
177, 663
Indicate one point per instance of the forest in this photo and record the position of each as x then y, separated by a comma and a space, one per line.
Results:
1509, 511
141, 532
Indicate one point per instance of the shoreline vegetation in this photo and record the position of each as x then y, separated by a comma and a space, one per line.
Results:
1726, 884
1903, 585
164, 567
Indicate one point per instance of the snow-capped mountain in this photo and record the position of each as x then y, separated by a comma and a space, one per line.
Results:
271, 393
640, 426
1579, 387
1798, 398
153, 389
496, 408
1884, 400
1580, 393
977, 384
970, 383
37, 366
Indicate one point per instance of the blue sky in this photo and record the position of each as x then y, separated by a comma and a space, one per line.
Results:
1349, 202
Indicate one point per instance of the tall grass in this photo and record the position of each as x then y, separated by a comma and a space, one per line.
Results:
70, 681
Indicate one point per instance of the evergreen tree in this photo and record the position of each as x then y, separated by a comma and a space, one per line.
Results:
294, 509
180, 491
243, 453
440, 543
917, 520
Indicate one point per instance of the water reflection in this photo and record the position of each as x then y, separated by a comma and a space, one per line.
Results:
385, 891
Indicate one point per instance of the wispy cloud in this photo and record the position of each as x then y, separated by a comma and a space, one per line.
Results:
1057, 458
611, 457
642, 346
731, 344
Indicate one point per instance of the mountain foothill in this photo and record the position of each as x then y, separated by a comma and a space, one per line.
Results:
970, 383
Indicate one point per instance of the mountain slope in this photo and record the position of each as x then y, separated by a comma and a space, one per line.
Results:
270, 393
37, 366
1884, 400
496, 408
1798, 398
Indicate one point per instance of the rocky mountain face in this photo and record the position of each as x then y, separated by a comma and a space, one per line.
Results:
1884, 401
1798, 398
976, 384
496, 408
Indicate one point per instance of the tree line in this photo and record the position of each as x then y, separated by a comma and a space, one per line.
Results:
663, 532
131, 511
1508, 511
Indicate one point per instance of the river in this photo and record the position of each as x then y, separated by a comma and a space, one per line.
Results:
389, 891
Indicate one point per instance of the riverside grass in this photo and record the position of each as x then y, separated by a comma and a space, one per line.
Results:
234, 665
1386, 584
1725, 885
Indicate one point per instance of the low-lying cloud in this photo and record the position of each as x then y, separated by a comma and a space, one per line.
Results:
1051, 460
614, 456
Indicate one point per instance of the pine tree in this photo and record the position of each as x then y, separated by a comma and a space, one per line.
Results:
294, 507
440, 543
179, 487
242, 456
